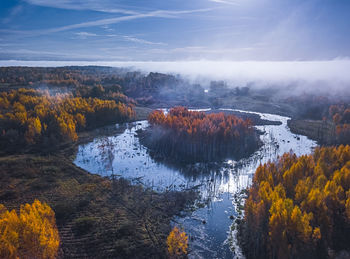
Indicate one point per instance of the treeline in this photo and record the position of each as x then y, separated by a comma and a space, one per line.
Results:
98, 82
32, 118
146, 89
308, 106
299, 207
334, 112
59, 76
191, 136
112, 92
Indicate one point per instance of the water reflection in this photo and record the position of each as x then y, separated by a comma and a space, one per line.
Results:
123, 155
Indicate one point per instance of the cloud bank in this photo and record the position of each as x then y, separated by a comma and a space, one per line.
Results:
298, 76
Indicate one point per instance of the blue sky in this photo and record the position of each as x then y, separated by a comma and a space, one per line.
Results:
168, 30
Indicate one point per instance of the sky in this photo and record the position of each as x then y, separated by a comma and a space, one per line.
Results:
175, 30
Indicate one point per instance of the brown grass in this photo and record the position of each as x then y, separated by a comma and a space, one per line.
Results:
96, 217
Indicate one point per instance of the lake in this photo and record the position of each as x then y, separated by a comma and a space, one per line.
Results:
209, 225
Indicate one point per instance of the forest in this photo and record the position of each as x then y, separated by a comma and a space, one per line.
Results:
60, 76
146, 89
31, 117
296, 207
203, 129
192, 136
44, 112
299, 207
150, 89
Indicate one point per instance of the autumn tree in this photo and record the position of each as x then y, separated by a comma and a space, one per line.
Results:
30, 234
299, 206
192, 136
29, 117
177, 242
33, 130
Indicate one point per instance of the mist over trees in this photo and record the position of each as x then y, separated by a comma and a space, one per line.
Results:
30, 117
296, 207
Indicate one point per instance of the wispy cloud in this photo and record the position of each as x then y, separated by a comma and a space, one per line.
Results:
160, 30
229, 2
31, 54
99, 6
108, 21
85, 35
141, 41
14, 11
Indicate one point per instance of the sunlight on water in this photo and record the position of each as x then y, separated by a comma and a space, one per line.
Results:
124, 156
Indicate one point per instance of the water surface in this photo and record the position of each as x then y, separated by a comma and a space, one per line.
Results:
208, 226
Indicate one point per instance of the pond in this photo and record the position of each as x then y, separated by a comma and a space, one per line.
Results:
209, 226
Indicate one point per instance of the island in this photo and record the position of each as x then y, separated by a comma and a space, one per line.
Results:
193, 136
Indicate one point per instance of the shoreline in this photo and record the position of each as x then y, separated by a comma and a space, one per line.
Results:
72, 184
108, 208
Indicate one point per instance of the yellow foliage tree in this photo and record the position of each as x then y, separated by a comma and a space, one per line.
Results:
177, 242
34, 129
43, 119
297, 206
32, 234
80, 120
9, 236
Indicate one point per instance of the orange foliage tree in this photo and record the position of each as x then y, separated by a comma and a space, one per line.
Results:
31, 234
299, 206
177, 242
196, 136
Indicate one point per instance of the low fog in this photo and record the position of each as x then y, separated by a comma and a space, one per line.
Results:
303, 76
296, 76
